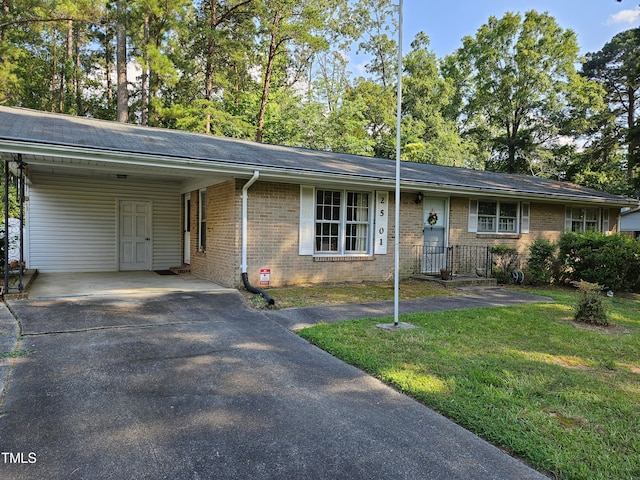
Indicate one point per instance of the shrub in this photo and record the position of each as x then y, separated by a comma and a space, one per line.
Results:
542, 258
612, 261
609, 260
504, 261
590, 307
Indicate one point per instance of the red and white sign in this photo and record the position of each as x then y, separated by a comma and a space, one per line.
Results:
265, 276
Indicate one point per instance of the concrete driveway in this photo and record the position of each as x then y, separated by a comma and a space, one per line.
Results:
193, 385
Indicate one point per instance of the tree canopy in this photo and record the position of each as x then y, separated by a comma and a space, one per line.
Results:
519, 90
277, 71
617, 68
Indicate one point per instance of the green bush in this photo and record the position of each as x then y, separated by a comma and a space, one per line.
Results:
590, 307
541, 262
504, 261
612, 261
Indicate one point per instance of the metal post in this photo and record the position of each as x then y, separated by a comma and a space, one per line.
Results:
396, 283
21, 200
6, 226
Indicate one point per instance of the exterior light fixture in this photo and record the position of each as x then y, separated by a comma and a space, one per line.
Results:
419, 198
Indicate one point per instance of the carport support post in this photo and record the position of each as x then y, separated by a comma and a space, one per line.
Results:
21, 200
6, 227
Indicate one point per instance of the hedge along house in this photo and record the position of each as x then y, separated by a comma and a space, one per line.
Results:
105, 196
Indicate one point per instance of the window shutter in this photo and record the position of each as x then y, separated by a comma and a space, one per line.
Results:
307, 220
605, 220
473, 216
524, 218
567, 219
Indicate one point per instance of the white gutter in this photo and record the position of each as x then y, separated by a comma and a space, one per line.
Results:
245, 203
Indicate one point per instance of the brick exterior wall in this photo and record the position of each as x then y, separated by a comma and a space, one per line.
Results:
273, 230
546, 222
221, 260
273, 219
272, 240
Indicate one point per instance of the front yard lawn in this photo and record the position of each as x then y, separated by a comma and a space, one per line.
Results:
563, 396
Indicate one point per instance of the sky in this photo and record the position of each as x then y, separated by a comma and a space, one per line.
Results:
595, 22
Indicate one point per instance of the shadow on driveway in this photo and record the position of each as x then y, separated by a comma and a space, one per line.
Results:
195, 385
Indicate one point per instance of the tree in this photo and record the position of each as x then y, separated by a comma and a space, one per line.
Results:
285, 24
222, 29
617, 68
428, 135
122, 97
518, 86
153, 25
376, 21
378, 110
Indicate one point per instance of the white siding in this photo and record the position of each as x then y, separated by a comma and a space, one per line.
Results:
72, 222
630, 222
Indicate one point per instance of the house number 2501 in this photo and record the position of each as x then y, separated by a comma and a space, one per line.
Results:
381, 223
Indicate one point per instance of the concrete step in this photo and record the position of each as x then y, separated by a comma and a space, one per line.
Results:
181, 269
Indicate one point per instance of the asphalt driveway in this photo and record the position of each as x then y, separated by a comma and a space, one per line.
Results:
193, 385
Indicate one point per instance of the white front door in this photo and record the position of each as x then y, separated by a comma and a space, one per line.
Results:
434, 252
135, 235
187, 228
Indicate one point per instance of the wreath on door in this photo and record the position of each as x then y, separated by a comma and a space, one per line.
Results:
433, 218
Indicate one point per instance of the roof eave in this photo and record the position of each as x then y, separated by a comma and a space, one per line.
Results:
283, 174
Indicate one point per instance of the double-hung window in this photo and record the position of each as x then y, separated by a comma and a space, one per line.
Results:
497, 217
342, 222
578, 219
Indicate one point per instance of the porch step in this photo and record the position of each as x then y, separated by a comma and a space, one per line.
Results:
456, 281
181, 269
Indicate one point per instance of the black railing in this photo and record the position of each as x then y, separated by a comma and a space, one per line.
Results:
471, 260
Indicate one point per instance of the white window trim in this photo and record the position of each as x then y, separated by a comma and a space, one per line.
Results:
307, 223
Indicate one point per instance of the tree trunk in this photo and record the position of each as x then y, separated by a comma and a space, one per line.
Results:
54, 72
154, 84
107, 65
65, 72
208, 73
76, 74
5, 10
267, 78
144, 88
633, 153
121, 64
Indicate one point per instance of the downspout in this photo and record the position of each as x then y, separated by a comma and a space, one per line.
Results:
243, 266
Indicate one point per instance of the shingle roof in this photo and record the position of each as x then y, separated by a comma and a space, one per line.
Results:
48, 129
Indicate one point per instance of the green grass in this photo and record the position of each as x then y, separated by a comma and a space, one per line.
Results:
562, 396
17, 353
307, 296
